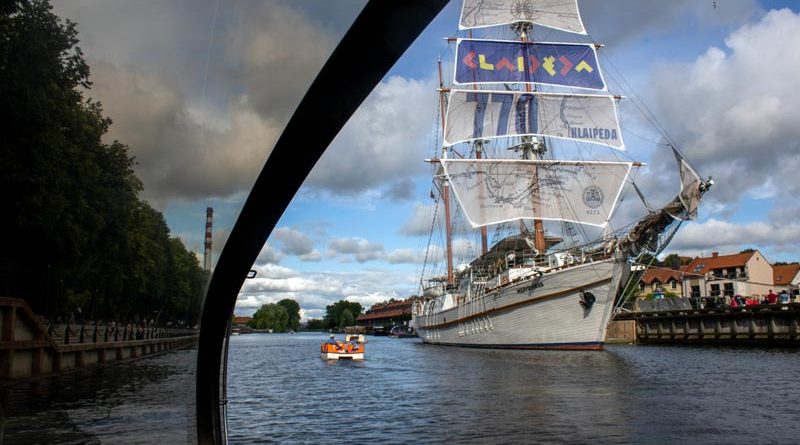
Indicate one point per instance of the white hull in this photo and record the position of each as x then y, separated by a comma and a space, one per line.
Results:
342, 356
541, 312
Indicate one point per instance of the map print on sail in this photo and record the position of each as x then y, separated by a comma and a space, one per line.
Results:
491, 114
492, 61
558, 14
496, 191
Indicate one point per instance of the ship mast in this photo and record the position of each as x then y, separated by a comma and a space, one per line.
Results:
532, 147
445, 191
478, 155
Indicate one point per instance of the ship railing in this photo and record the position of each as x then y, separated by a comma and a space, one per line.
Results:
528, 263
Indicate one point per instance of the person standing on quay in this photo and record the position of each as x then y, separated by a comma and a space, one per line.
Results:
772, 298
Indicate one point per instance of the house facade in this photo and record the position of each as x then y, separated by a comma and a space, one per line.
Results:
657, 279
746, 274
786, 276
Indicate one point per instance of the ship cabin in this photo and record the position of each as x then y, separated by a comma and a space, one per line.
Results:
513, 258
509, 260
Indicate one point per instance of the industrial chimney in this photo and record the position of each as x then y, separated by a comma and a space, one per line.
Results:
207, 251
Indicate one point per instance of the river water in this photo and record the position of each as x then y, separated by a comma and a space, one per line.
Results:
280, 391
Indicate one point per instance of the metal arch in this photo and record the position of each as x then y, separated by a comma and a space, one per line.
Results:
375, 41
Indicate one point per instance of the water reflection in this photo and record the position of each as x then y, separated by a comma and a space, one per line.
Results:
142, 401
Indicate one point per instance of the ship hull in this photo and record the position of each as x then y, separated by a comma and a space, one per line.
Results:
542, 312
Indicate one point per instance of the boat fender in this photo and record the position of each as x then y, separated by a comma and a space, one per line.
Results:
587, 300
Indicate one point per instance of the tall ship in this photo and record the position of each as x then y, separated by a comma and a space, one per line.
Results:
531, 160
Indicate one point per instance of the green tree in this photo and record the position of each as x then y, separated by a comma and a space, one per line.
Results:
270, 316
314, 324
347, 319
77, 233
333, 313
293, 310
674, 261
667, 294
646, 259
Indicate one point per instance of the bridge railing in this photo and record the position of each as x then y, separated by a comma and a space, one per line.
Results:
65, 334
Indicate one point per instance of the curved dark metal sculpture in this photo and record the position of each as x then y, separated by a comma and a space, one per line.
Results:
375, 41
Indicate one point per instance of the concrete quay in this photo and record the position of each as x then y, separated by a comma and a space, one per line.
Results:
28, 348
764, 325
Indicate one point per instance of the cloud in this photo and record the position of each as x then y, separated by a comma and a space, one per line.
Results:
275, 51
383, 143
313, 256
356, 248
201, 93
614, 22
400, 256
419, 223
316, 290
733, 112
292, 242
268, 255
402, 190
776, 235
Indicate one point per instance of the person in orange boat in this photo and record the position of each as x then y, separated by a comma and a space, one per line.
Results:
353, 346
333, 344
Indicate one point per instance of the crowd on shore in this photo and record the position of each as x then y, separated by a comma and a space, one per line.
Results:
737, 301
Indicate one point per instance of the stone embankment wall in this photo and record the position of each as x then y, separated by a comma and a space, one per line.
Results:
29, 348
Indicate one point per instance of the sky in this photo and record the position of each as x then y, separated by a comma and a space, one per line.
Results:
200, 90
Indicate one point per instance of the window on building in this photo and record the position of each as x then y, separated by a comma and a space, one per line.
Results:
674, 284
695, 291
715, 290
729, 289
641, 287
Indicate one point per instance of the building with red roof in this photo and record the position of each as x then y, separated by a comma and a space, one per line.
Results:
747, 273
786, 276
241, 321
387, 315
661, 278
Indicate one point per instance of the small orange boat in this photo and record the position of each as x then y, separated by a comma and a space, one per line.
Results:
336, 350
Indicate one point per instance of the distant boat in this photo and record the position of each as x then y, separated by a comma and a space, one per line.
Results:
337, 350
291, 331
402, 332
235, 331
379, 331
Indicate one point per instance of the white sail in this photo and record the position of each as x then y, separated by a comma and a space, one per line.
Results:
558, 14
690, 189
485, 114
492, 191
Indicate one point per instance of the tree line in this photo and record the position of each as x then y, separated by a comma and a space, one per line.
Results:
77, 234
285, 315
338, 315
280, 316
